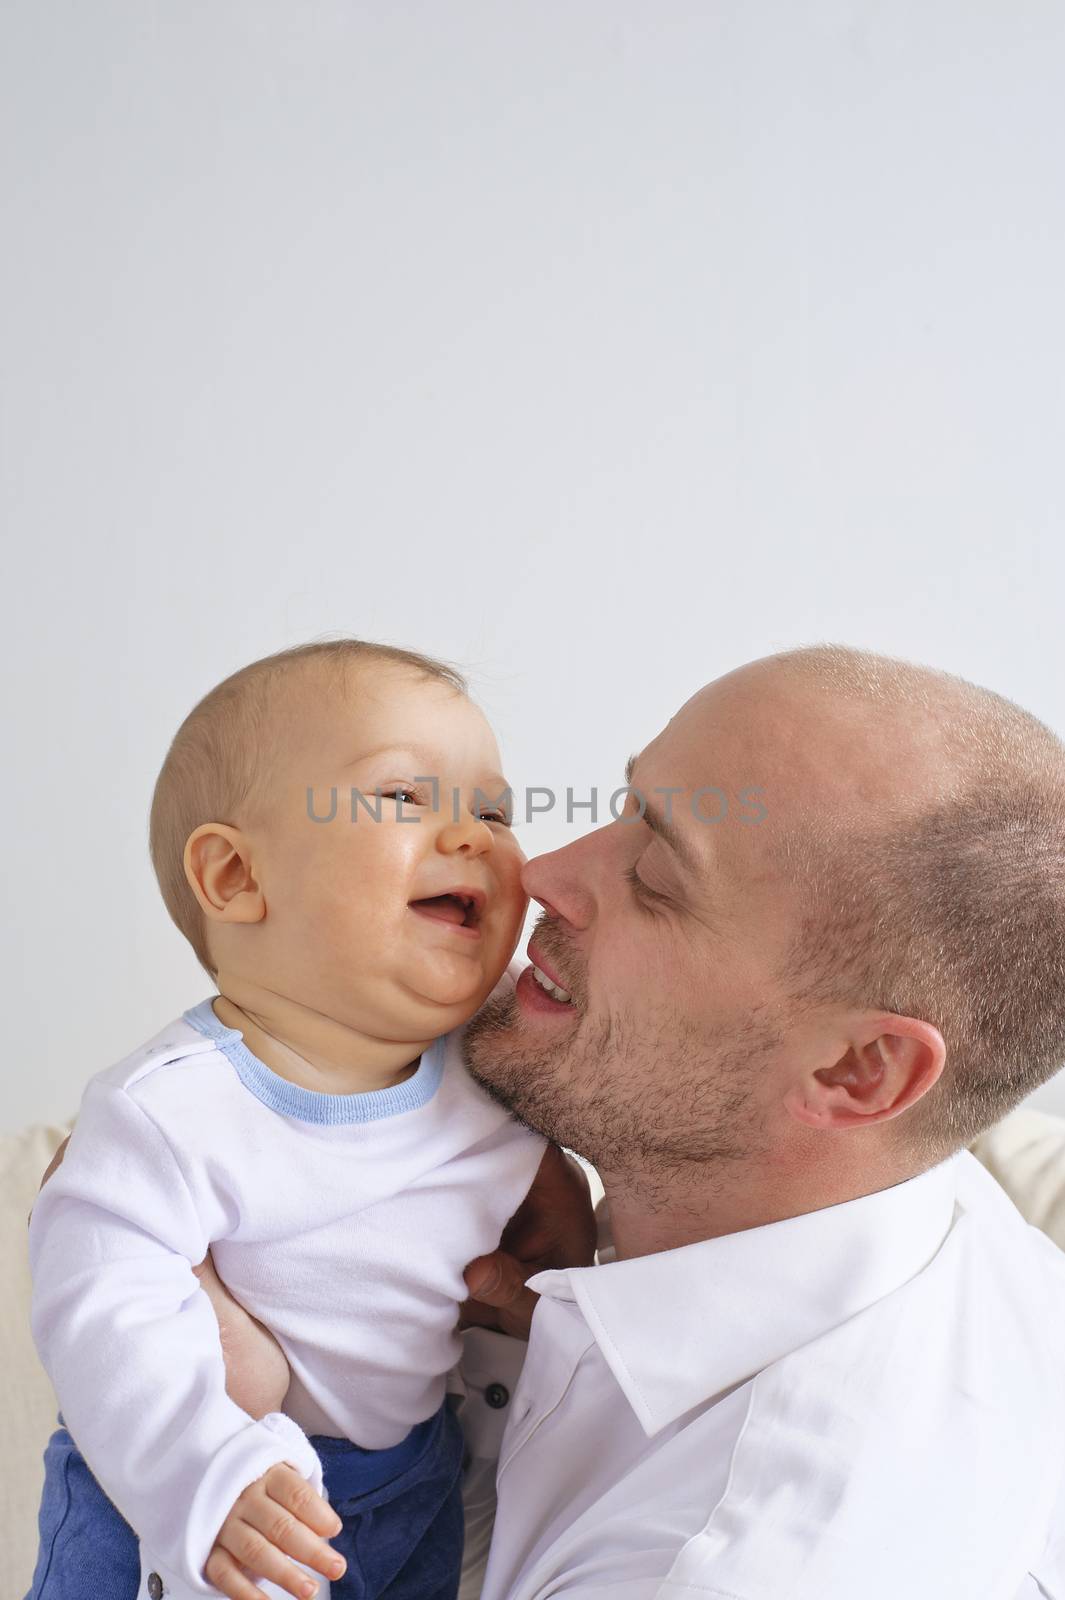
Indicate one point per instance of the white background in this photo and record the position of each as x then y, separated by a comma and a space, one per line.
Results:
598, 347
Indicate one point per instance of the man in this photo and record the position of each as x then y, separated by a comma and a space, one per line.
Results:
827, 1359
823, 1356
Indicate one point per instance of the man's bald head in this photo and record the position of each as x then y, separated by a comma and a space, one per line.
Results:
925, 839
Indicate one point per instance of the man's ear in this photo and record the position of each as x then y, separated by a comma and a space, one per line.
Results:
218, 865
882, 1069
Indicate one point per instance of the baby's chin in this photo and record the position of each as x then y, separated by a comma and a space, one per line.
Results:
457, 987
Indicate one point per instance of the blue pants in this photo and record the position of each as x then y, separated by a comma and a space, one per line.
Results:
401, 1509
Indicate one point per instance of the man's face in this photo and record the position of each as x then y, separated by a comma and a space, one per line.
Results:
668, 939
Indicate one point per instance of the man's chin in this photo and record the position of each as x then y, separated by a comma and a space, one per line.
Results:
498, 1052
498, 1017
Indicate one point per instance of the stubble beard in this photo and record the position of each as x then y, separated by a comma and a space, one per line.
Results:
648, 1094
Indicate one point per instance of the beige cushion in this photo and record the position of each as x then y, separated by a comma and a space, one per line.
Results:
27, 1403
1026, 1153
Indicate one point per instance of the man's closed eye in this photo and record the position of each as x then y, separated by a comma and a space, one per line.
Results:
643, 891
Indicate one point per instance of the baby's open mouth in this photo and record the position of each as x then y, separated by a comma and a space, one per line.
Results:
462, 910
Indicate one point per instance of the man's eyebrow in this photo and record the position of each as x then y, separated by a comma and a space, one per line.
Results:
661, 825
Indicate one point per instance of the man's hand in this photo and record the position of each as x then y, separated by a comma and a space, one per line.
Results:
553, 1227
55, 1161
278, 1516
257, 1373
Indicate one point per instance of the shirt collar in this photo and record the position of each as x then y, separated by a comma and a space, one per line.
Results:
682, 1326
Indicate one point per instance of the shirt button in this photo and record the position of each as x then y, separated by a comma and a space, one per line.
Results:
155, 1586
497, 1395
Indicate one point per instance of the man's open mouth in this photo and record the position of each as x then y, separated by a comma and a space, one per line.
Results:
555, 990
460, 909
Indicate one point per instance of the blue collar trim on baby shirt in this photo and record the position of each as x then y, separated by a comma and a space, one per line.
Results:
309, 1105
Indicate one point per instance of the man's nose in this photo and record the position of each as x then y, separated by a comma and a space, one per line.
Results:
561, 881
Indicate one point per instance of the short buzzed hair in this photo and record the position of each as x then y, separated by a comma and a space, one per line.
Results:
219, 757
952, 910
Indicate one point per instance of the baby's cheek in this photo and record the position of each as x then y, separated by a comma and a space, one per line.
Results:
508, 876
373, 869
513, 899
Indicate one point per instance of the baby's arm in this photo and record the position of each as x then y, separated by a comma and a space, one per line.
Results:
257, 1373
131, 1344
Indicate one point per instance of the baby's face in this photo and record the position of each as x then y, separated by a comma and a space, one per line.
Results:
363, 928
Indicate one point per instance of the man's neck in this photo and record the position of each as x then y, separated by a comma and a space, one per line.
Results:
652, 1211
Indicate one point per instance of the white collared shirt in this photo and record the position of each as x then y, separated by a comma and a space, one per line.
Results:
863, 1403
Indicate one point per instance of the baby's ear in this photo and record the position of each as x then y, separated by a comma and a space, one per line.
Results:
220, 872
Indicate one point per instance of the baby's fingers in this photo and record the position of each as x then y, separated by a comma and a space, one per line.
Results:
291, 1490
240, 1545
283, 1513
227, 1575
277, 1516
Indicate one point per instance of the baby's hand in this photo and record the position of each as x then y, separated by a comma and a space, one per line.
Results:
279, 1515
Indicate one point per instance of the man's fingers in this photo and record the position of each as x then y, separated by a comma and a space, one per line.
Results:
257, 1372
49, 1169
488, 1280
498, 1280
205, 1271
55, 1161
554, 1226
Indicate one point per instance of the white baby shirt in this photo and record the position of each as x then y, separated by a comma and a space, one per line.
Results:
342, 1222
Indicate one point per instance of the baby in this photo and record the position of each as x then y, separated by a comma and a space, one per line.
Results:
330, 832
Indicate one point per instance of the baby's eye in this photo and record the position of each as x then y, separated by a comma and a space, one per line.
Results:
402, 792
494, 816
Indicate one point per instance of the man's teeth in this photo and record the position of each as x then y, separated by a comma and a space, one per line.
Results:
554, 989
